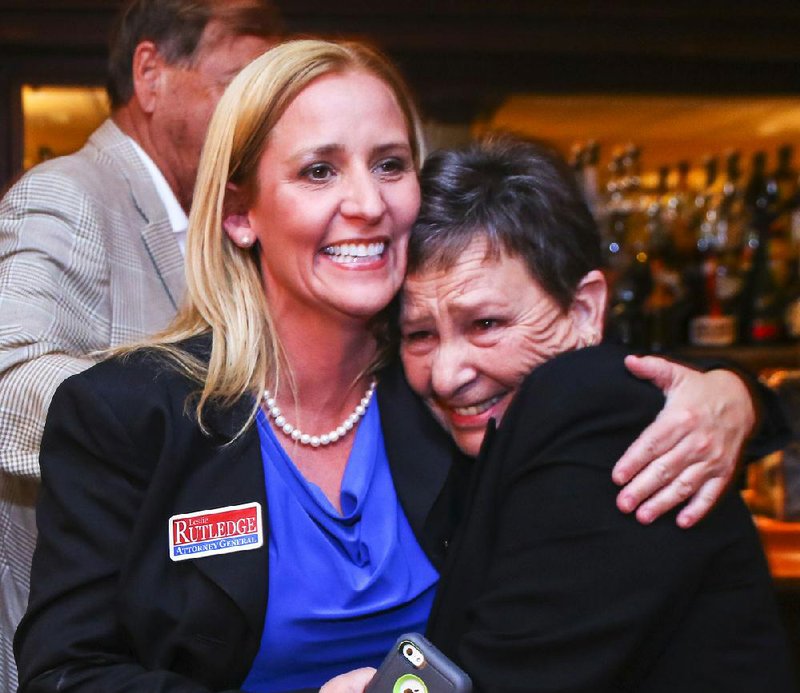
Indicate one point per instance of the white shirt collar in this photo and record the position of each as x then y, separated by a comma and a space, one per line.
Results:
177, 217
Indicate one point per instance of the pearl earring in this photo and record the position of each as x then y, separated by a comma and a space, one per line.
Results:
245, 241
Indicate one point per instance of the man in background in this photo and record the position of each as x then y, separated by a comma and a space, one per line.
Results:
91, 243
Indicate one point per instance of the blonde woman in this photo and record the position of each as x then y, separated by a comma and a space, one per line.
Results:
223, 509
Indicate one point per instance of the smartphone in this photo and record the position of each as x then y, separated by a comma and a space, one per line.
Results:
414, 665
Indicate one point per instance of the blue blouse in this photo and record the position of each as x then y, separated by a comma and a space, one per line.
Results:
341, 587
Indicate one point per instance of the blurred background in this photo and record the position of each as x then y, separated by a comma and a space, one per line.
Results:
682, 79
680, 120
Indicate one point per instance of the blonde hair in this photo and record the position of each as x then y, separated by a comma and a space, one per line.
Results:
225, 295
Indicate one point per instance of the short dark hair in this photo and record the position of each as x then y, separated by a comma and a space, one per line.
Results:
518, 194
176, 27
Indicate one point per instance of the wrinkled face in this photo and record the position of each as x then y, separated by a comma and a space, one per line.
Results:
470, 335
191, 93
336, 196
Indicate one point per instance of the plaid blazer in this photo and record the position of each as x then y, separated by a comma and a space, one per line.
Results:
88, 261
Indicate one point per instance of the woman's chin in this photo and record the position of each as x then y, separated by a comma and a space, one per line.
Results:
469, 441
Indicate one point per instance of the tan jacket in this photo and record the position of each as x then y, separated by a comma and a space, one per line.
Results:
88, 261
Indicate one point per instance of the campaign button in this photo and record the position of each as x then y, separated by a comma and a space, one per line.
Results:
213, 532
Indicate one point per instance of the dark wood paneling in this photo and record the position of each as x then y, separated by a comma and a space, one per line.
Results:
463, 56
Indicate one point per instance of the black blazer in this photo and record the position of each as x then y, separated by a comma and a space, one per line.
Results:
547, 587
120, 455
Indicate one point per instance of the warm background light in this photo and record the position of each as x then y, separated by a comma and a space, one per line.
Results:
57, 120
668, 128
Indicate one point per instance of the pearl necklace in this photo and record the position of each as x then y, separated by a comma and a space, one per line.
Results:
280, 422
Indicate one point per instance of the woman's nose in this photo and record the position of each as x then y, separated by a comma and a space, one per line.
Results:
363, 198
451, 371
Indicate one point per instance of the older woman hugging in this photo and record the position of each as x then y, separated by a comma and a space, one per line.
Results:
547, 587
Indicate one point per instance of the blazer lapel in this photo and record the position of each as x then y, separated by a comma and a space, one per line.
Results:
157, 234
233, 474
236, 573
420, 452
159, 239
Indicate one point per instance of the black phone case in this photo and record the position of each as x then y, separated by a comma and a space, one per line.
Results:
438, 674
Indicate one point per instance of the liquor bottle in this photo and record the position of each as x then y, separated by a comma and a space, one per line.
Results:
762, 305
622, 228
717, 284
632, 280
679, 214
792, 205
782, 185
733, 170
711, 170
759, 196
575, 162
791, 310
634, 202
614, 234
704, 203
662, 305
731, 204
632, 178
627, 322
763, 206
660, 312
662, 186
591, 177
613, 189
714, 277
703, 199
785, 219
612, 218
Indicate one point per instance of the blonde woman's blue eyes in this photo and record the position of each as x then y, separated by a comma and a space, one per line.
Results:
392, 166
322, 172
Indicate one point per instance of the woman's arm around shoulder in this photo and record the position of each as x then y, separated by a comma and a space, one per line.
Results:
692, 449
550, 587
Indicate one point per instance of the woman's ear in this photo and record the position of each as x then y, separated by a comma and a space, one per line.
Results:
589, 307
235, 219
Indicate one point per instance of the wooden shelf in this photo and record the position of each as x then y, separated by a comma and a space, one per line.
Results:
781, 541
753, 358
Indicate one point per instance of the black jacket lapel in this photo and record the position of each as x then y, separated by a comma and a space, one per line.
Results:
420, 456
234, 475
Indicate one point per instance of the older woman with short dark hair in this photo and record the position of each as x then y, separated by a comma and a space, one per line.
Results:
547, 587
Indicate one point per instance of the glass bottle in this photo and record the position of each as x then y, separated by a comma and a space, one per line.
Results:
679, 214
663, 304
791, 310
782, 184
714, 322
591, 177
759, 196
784, 229
627, 322
731, 202
718, 279
762, 305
